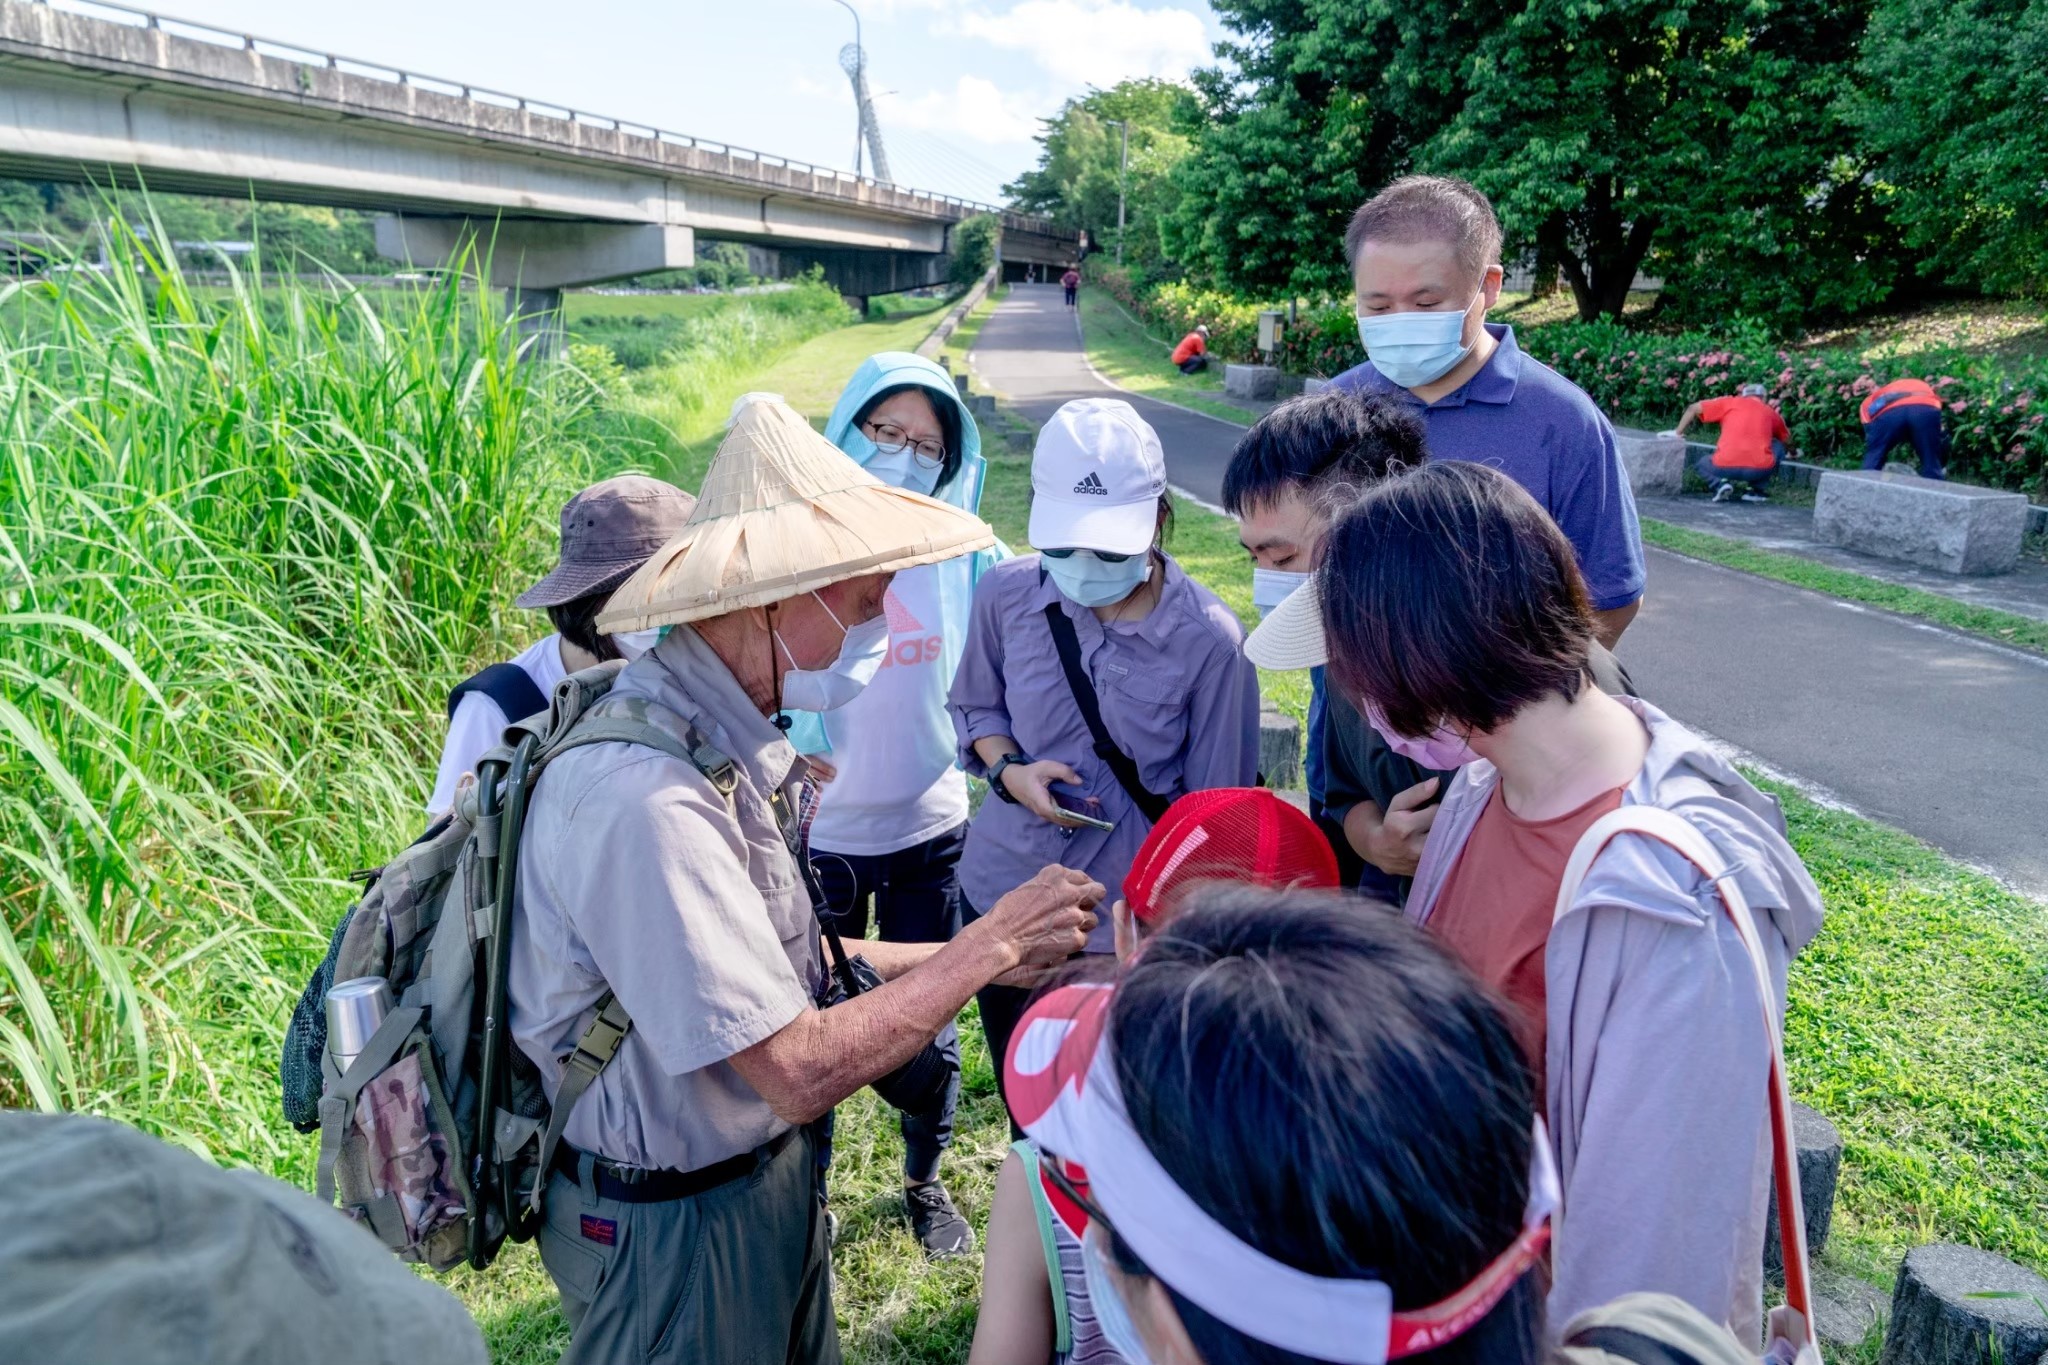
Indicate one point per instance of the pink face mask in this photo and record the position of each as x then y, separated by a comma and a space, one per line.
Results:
1442, 751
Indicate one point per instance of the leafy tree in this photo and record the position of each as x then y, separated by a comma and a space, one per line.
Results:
1080, 166
1950, 107
1693, 137
974, 247
1698, 139
1306, 121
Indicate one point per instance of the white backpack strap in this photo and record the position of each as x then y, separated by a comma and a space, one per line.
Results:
1670, 828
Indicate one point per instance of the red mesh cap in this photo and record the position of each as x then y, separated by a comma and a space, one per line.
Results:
1232, 834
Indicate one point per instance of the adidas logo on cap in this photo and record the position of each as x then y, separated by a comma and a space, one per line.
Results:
1092, 484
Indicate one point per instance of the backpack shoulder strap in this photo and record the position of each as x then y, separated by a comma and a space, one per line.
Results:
1121, 765
508, 687
617, 721
1671, 828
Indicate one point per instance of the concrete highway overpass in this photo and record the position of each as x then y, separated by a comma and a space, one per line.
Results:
101, 93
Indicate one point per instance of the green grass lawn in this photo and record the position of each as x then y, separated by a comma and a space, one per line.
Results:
1918, 1021
578, 306
2002, 626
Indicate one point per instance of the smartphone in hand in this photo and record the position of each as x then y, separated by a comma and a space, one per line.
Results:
1078, 819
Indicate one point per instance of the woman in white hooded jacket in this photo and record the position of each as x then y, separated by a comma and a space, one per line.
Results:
1456, 618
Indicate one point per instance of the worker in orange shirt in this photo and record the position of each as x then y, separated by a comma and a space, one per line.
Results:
1905, 410
1752, 443
1192, 355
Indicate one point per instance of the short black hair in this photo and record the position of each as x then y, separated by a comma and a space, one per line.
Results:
576, 622
1319, 444
1451, 598
1429, 208
948, 414
1390, 1140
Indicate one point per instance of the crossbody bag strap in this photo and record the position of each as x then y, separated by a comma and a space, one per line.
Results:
1149, 803
1675, 830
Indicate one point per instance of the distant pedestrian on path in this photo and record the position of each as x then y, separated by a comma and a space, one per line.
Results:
1752, 444
1905, 410
1425, 259
1071, 282
1192, 355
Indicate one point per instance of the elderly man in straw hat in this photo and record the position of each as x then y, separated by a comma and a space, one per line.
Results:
681, 1223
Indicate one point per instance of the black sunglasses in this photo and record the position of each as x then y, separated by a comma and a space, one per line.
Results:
1104, 555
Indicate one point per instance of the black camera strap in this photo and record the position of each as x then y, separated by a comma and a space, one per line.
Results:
794, 835
1149, 803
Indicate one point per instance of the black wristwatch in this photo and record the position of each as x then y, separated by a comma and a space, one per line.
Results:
995, 775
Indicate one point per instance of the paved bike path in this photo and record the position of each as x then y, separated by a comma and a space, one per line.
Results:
1922, 728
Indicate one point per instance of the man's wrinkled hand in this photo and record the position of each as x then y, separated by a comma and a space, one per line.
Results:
1046, 920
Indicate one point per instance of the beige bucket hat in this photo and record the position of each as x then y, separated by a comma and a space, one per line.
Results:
784, 512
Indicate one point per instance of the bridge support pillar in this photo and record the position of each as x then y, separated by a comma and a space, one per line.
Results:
539, 315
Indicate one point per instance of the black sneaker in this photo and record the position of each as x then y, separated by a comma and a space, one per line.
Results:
940, 1229
1725, 492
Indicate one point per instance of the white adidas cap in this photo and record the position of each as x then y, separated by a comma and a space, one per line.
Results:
1096, 479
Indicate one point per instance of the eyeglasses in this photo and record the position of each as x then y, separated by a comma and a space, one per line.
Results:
890, 439
1103, 555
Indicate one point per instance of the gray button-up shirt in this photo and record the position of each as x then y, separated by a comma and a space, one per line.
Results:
635, 874
1176, 692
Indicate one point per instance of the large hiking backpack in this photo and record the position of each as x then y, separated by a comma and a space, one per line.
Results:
439, 1136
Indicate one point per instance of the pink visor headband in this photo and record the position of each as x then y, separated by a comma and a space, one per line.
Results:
1062, 1086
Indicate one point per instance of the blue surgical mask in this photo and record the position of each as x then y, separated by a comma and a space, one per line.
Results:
1413, 349
1092, 582
861, 652
1110, 1314
899, 468
1271, 587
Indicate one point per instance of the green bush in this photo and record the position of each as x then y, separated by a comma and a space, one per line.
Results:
1174, 309
974, 248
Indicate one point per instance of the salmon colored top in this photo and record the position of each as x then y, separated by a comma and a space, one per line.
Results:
1494, 913
1190, 346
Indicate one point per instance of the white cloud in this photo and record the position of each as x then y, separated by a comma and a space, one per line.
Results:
974, 109
1095, 42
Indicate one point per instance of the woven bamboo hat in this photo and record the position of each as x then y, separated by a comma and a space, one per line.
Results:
783, 512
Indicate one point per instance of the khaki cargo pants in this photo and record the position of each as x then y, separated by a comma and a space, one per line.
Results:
736, 1275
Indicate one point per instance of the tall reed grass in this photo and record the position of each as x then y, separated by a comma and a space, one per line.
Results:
246, 539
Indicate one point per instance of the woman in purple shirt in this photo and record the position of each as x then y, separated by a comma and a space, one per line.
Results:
1162, 656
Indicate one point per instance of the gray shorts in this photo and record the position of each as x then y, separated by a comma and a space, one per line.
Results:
727, 1275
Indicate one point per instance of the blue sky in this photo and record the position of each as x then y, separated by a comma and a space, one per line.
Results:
960, 84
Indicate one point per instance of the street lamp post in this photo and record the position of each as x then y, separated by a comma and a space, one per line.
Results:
1122, 173
857, 124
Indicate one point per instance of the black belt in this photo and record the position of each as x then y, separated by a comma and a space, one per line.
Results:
633, 1185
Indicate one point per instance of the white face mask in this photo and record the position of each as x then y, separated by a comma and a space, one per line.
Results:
861, 653
633, 643
1271, 587
1414, 349
1110, 1313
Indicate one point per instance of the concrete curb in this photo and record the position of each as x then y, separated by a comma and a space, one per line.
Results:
950, 323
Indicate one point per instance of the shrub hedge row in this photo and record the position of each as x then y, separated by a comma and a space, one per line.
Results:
1997, 409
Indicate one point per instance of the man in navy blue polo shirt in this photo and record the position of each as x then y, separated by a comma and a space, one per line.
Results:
1425, 258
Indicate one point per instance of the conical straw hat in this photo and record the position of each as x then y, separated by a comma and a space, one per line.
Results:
784, 512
